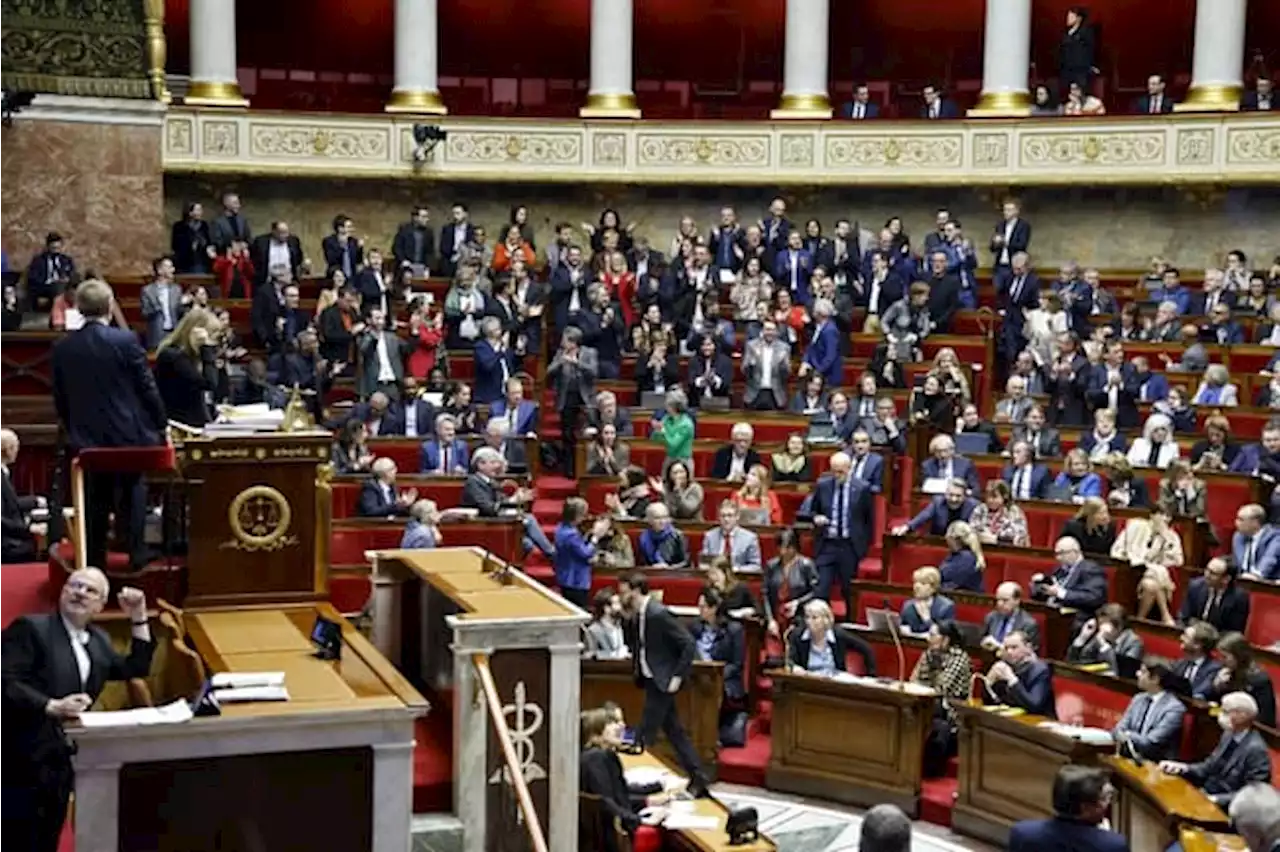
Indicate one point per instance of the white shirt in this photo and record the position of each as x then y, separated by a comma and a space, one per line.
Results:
385, 373
737, 465
459, 238
766, 366
873, 299
859, 109
1008, 235
575, 300
411, 419
278, 255
642, 267
79, 642
1022, 482
166, 312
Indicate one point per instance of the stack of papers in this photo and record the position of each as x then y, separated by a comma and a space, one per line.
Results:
246, 418
169, 714
1088, 736
232, 687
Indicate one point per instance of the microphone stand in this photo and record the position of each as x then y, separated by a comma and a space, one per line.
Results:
897, 644
786, 648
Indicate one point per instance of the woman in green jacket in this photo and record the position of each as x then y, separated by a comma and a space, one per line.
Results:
675, 431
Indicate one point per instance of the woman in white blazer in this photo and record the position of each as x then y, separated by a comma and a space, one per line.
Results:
1156, 448
1150, 543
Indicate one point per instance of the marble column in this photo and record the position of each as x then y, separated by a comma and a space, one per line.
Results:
213, 55
611, 94
804, 71
1217, 58
1006, 60
417, 87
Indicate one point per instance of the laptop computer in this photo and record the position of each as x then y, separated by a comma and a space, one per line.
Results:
970, 443
653, 401
821, 428
714, 403
880, 620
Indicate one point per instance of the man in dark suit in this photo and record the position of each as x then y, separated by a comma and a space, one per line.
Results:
454, 236
415, 244
19, 529
886, 428
1240, 758
943, 463
1112, 384
276, 250
1027, 479
55, 666
1155, 101
378, 495
382, 354
861, 107
731, 462
823, 354
572, 375
231, 224
944, 292
842, 518
1008, 617
1076, 51
309, 371
1044, 441
662, 654
650, 266
268, 307
342, 249
1262, 98
1082, 797
1017, 290
378, 415
1196, 667
726, 241
49, 272
864, 463
520, 414
340, 324
481, 492
936, 104
106, 396
775, 228
1077, 582
1012, 235
569, 283
602, 330
942, 511
1151, 726
1214, 597
375, 286
1020, 679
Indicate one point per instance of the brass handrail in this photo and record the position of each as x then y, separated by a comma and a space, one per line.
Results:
490, 689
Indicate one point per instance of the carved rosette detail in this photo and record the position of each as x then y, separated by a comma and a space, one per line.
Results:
991, 150
1254, 147
534, 149
1195, 147
1117, 149
178, 137
703, 151
609, 149
220, 138
329, 143
910, 152
797, 151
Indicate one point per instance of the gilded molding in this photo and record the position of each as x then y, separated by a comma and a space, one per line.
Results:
88, 48
1182, 149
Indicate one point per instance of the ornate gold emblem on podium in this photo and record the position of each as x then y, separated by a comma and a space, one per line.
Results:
259, 517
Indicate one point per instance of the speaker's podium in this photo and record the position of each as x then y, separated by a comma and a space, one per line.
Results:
330, 767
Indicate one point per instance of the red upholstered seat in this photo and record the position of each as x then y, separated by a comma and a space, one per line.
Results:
446, 491
1082, 702
127, 459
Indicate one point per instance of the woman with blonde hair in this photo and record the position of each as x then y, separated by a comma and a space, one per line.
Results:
1157, 447
756, 502
188, 374
1150, 543
1093, 527
962, 568
946, 366
600, 774
998, 519
739, 603
1077, 482
927, 606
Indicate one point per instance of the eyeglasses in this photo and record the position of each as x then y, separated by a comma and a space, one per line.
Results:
85, 588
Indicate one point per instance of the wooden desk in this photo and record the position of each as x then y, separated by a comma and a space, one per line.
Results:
703, 839
1151, 806
1198, 840
697, 702
342, 746
860, 742
1007, 769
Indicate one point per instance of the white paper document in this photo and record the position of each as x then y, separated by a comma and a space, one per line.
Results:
678, 822
169, 714
1089, 736
225, 680
233, 695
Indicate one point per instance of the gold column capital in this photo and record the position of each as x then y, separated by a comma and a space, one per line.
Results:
799, 107
610, 105
1211, 97
416, 102
1001, 105
215, 94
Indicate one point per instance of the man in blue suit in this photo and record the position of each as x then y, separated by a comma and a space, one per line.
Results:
793, 267
823, 355
520, 414
861, 107
842, 517
1256, 544
942, 511
106, 396
1020, 679
1155, 101
1027, 480
865, 464
416, 417
945, 464
1082, 797
446, 454
1077, 582
936, 104
1151, 726
1147, 386
495, 362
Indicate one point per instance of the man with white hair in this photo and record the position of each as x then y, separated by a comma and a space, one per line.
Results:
497, 434
1255, 813
842, 518
1008, 617
378, 495
1240, 757
19, 529
481, 492
55, 666
732, 462
823, 355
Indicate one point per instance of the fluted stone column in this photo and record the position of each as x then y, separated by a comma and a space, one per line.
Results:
213, 55
1006, 60
1217, 58
417, 86
804, 71
611, 94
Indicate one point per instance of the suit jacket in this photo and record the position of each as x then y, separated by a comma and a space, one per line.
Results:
961, 468
1088, 588
373, 296
301, 370
1040, 480
374, 502
744, 547
39, 664
1019, 240
1202, 683
226, 228
754, 356
260, 254
729, 647
936, 515
667, 647
1154, 731
858, 516
183, 383
1142, 105
1015, 409
429, 459
1063, 835
1032, 692
993, 626
488, 384
722, 462
1231, 612
562, 373
1048, 443
13, 518
940, 608
802, 643
370, 363
1250, 101
1076, 53
1222, 774
424, 418
402, 246
390, 423
268, 305
153, 311
1266, 553
40, 278
870, 110
335, 339
823, 354
448, 264
526, 416
333, 254
872, 471
103, 390
946, 109
189, 242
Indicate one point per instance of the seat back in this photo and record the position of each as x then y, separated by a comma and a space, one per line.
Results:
185, 672
595, 827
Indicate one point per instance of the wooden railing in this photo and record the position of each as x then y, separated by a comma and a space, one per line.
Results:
532, 825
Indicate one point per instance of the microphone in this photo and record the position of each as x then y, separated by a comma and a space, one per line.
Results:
986, 685
897, 644
1125, 744
786, 648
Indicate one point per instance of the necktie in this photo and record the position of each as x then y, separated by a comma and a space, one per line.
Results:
1017, 289
724, 550
444, 458
1210, 605
1005, 624
858, 466
1155, 104
1146, 715
838, 521
1019, 479
1154, 458
1246, 565
857, 110
1192, 670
